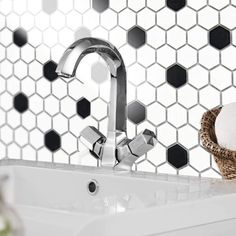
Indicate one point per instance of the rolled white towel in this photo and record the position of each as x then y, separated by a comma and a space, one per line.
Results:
225, 127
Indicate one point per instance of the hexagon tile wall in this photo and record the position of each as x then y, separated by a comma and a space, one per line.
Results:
180, 57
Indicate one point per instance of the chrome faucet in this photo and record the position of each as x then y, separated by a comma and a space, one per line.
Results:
115, 150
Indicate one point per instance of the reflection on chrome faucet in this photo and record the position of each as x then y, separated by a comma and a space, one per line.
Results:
115, 150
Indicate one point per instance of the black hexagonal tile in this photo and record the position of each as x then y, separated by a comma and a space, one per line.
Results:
219, 37
49, 70
176, 76
52, 140
83, 108
136, 112
177, 156
100, 5
20, 102
136, 37
20, 37
176, 5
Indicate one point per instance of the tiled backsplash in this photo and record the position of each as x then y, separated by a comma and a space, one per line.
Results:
180, 58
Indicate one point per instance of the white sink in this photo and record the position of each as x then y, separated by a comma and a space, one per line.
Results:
54, 200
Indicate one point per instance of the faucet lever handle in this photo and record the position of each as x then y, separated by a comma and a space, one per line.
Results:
143, 142
93, 139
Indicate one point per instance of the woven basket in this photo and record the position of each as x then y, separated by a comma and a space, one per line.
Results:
225, 158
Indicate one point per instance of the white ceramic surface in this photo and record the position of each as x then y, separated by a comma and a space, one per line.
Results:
54, 200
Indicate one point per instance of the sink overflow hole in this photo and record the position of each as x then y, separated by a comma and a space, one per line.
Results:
93, 187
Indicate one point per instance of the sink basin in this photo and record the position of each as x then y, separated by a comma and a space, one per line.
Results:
55, 200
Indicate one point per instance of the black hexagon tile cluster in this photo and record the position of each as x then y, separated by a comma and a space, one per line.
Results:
49, 70
219, 37
176, 76
136, 112
100, 5
136, 37
176, 5
52, 140
83, 108
20, 37
20, 102
177, 156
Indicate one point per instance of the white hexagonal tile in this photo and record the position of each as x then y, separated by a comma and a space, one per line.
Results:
66, 37
156, 113
136, 74
60, 123
177, 115
165, 18
146, 18
197, 5
50, 37
68, 107
227, 57
28, 120
109, 19
44, 155
69, 143
186, 18
75, 89
99, 109
60, 157
157, 155
136, 5
42, 53
13, 53
227, 17
44, 122
59, 88
6, 68
118, 36
176, 37
42, 20
146, 93
228, 96
51, 105
208, 17
127, 19
166, 95
146, 55
82, 5
21, 136
73, 20
118, 5
28, 153
35, 70
209, 97
156, 5
167, 169
166, 134
198, 76
156, 75
197, 37
13, 119
195, 114
187, 56
146, 166
156, 37
163, 59
6, 134
28, 86
220, 77
6, 100
199, 159
128, 53
14, 151
187, 96
183, 136
209, 57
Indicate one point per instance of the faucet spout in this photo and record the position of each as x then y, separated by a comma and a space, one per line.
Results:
117, 110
